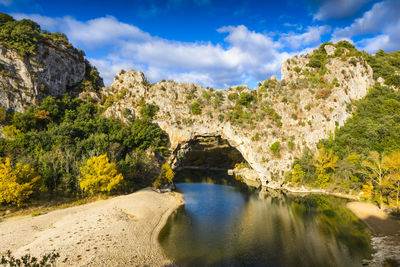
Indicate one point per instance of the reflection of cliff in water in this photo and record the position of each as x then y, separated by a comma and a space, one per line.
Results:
224, 226
303, 230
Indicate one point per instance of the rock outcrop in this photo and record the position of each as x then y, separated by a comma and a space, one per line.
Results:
295, 113
54, 69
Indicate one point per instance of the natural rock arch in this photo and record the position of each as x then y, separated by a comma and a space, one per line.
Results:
296, 117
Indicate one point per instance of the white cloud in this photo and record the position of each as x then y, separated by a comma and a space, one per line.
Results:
382, 20
6, 2
311, 36
244, 55
336, 9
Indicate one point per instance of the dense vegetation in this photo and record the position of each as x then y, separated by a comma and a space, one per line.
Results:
385, 65
65, 146
363, 155
24, 35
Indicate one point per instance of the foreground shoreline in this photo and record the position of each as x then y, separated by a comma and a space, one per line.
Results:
119, 231
124, 231
385, 229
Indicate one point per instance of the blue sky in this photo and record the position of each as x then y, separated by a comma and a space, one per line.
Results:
212, 42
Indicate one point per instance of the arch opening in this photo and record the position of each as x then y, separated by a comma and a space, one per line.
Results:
209, 159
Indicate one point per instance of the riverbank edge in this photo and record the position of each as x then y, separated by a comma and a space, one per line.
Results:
145, 219
383, 245
163, 220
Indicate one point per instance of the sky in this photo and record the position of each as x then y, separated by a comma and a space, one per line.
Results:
214, 43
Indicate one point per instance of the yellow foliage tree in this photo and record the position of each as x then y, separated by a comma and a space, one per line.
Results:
375, 168
165, 177
392, 180
324, 162
17, 184
99, 175
297, 174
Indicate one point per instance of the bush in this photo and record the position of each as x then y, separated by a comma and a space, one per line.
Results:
17, 184
149, 111
233, 96
99, 175
276, 148
165, 177
27, 260
195, 108
245, 99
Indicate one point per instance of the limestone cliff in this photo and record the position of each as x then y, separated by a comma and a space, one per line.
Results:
54, 69
297, 112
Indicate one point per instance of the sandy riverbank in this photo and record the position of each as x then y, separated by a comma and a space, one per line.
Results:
120, 231
386, 231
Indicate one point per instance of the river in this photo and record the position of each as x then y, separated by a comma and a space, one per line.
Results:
224, 225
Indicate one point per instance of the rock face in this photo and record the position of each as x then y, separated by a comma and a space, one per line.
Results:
53, 70
297, 112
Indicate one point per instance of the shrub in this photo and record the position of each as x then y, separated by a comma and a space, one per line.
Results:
46, 260
276, 148
165, 177
149, 111
353, 61
345, 44
195, 108
206, 95
99, 175
291, 145
245, 99
10, 131
393, 80
17, 184
323, 93
233, 96
335, 82
256, 137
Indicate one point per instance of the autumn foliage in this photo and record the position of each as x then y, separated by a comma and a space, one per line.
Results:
17, 184
99, 175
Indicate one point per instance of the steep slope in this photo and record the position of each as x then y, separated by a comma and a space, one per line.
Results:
270, 125
36, 63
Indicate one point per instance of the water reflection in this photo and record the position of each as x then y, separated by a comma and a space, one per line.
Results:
223, 226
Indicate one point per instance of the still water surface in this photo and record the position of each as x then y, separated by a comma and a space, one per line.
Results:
222, 225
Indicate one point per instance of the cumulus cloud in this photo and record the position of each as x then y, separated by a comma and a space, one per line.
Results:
244, 55
311, 36
336, 9
382, 20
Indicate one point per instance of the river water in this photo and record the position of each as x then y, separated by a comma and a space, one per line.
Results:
222, 225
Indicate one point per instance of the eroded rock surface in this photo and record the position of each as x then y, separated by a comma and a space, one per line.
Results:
297, 112
53, 70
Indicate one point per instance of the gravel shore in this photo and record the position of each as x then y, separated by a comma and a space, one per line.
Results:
386, 231
120, 231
